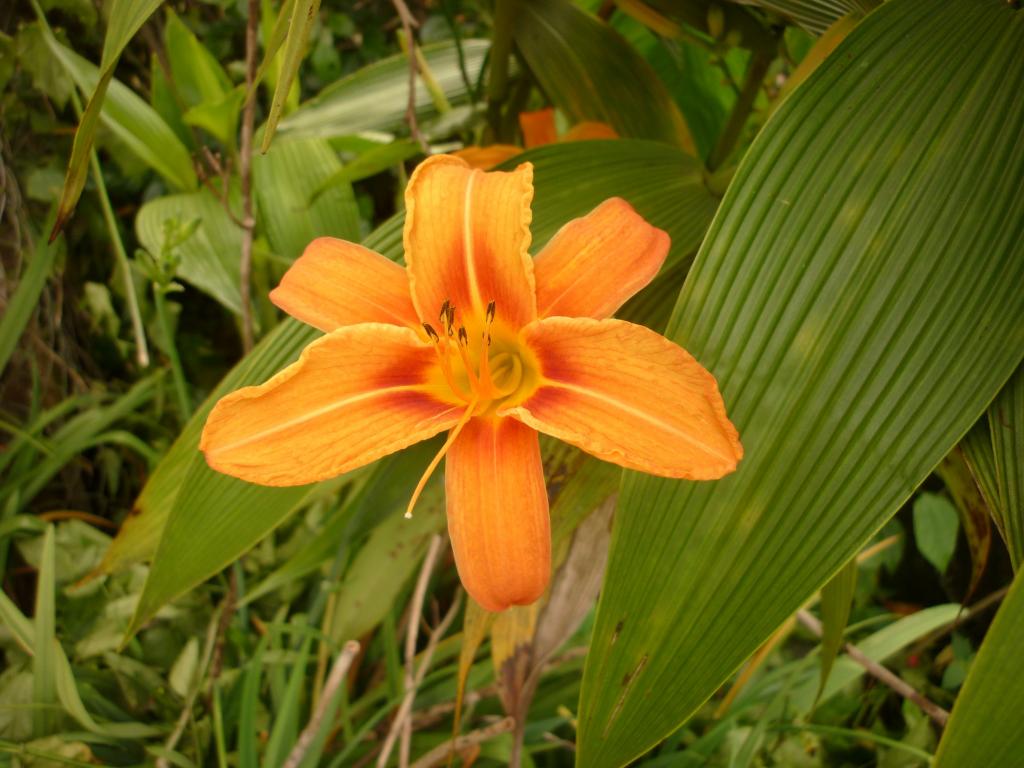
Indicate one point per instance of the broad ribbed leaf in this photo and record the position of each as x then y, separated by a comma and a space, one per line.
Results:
591, 73
984, 728
1006, 423
374, 98
290, 213
814, 15
859, 299
204, 520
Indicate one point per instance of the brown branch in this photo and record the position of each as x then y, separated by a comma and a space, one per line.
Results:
405, 708
440, 754
334, 681
876, 670
245, 171
408, 22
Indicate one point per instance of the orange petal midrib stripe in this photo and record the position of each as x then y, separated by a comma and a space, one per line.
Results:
468, 254
323, 410
634, 411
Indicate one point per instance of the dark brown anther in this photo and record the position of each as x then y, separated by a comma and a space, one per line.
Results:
463, 336
431, 332
488, 339
490, 312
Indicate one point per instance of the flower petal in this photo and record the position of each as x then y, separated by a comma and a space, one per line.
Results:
595, 263
587, 130
354, 395
486, 158
538, 127
336, 283
498, 512
467, 235
627, 395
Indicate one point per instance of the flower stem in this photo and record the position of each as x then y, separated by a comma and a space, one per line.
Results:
757, 69
501, 48
177, 374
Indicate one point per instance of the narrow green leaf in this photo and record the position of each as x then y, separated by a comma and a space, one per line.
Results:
1006, 423
975, 516
249, 706
44, 689
374, 97
984, 728
836, 601
370, 163
126, 16
303, 14
136, 125
22, 630
197, 521
591, 73
935, 527
23, 303
858, 298
273, 38
285, 728
198, 76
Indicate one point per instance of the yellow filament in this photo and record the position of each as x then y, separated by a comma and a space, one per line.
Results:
440, 455
446, 369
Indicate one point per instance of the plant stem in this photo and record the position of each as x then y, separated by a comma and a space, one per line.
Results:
245, 171
501, 48
141, 347
177, 374
756, 70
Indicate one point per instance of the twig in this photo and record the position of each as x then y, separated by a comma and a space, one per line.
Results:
186, 712
408, 22
440, 754
412, 631
930, 708
245, 171
334, 681
405, 708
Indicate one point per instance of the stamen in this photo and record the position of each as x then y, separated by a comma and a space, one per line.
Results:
463, 348
463, 336
440, 455
491, 311
431, 333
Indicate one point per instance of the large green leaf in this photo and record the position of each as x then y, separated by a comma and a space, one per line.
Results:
984, 728
858, 298
136, 125
374, 98
1006, 424
204, 520
591, 73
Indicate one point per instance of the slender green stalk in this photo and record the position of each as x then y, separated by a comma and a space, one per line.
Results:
177, 374
757, 69
501, 49
141, 347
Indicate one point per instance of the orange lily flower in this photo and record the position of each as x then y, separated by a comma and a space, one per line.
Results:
478, 339
538, 129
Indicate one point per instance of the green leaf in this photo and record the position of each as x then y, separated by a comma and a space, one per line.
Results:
984, 728
973, 510
936, 523
136, 125
44, 691
210, 255
197, 521
198, 76
816, 15
304, 12
285, 179
1006, 424
591, 73
836, 601
858, 298
374, 97
371, 162
23, 302
126, 16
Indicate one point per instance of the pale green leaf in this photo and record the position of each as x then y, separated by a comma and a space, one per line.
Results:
303, 14
936, 523
375, 97
44, 689
836, 601
984, 728
858, 298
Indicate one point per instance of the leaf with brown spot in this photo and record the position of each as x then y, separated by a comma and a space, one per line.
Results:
974, 513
